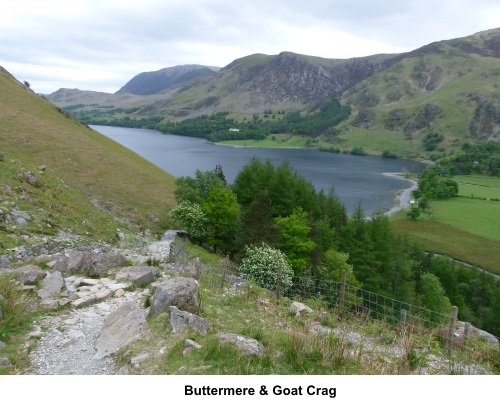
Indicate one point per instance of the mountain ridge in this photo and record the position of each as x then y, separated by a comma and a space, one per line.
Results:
448, 86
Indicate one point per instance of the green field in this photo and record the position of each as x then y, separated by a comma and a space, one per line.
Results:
479, 186
467, 229
477, 217
274, 141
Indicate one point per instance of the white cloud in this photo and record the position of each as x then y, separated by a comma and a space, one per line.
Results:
102, 44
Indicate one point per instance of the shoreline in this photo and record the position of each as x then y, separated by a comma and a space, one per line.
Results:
404, 195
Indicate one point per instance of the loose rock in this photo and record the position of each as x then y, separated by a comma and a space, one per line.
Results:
182, 320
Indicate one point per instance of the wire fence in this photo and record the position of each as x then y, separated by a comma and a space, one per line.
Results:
460, 339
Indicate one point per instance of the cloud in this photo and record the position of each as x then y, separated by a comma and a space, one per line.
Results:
102, 44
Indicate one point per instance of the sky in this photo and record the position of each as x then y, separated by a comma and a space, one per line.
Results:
100, 45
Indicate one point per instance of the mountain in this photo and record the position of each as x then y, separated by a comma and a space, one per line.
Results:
148, 83
59, 177
447, 89
247, 85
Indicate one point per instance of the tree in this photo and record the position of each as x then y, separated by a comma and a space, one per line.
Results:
263, 264
433, 297
295, 240
223, 212
220, 174
414, 212
191, 219
258, 224
336, 263
196, 189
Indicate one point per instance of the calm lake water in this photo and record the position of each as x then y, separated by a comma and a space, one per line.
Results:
355, 178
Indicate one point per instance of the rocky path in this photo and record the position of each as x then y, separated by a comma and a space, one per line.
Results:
67, 342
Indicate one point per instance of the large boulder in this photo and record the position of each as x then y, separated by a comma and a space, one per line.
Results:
5, 262
120, 328
182, 320
101, 263
181, 292
30, 274
137, 275
54, 282
72, 262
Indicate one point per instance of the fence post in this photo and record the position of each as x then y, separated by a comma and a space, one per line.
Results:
467, 332
342, 294
198, 269
278, 283
225, 265
403, 319
451, 332
171, 252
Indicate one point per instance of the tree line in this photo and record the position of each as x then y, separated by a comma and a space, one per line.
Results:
480, 158
219, 126
270, 211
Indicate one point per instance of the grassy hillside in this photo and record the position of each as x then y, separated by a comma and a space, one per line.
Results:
441, 89
87, 183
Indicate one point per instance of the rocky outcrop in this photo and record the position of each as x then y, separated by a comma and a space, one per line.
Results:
246, 344
426, 116
181, 292
364, 119
486, 120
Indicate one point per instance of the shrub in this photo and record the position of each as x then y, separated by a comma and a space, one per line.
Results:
262, 263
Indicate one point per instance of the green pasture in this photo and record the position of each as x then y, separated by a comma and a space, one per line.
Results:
273, 141
464, 228
449, 240
478, 217
478, 186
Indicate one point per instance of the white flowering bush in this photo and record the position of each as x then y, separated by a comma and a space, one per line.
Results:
261, 264
191, 218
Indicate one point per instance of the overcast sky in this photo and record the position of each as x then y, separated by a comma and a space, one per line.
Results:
100, 45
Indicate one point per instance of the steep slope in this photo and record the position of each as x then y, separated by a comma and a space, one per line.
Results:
147, 83
83, 182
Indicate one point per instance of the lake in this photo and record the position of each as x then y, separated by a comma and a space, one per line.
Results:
356, 179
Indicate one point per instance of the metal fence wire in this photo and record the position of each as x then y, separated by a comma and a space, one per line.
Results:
351, 301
